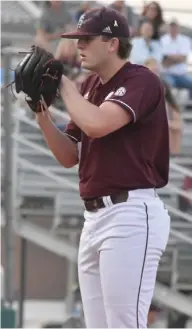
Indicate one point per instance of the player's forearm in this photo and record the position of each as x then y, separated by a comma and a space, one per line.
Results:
176, 122
85, 115
176, 59
61, 146
179, 58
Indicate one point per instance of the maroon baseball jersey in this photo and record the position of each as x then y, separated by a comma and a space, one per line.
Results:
137, 155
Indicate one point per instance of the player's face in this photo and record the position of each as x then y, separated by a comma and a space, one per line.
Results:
174, 29
93, 52
146, 30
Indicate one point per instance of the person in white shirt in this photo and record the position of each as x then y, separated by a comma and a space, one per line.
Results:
144, 47
173, 111
176, 48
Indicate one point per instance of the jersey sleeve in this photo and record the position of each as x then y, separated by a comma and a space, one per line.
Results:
138, 95
73, 132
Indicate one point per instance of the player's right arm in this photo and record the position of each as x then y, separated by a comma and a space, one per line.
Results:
62, 146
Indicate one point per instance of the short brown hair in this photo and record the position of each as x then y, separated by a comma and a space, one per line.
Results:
124, 46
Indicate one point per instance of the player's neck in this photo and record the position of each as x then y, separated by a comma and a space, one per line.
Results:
110, 69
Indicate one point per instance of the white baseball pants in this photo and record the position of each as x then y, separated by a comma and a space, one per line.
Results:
119, 253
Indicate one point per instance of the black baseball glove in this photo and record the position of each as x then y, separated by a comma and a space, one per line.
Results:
38, 75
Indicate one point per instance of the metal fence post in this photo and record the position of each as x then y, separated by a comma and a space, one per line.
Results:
7, 179
22, 284
72, 271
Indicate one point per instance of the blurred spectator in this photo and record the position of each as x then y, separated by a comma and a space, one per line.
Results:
173, 111
176, 48
67, 52
143, 47
127, 11
153, 13
152, 315
185, 204
84, 6
52, 23
78, 79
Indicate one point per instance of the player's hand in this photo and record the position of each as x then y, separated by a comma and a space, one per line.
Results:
38, 75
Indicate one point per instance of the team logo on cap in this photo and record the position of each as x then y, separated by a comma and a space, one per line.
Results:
120, 92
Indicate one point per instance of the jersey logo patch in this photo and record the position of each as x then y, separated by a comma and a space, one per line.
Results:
120, 92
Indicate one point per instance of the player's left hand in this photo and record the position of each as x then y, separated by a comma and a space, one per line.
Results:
38, 75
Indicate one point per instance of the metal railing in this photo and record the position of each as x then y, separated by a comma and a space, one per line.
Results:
31, 8
180, 169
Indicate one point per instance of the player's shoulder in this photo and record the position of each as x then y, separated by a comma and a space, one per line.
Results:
141, 75
90, 82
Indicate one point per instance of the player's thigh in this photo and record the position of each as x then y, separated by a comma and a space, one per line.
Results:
126, 296
90, 286
128, 268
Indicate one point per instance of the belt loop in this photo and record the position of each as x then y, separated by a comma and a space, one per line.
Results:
110, 203
107, 201
104, 198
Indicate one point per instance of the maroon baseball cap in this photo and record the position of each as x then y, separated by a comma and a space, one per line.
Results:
103, 21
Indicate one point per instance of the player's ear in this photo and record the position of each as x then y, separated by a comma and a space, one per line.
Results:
114, 44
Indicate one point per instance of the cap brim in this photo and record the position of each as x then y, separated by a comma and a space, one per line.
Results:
77, 35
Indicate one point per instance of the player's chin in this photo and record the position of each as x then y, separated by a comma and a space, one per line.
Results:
86, 65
